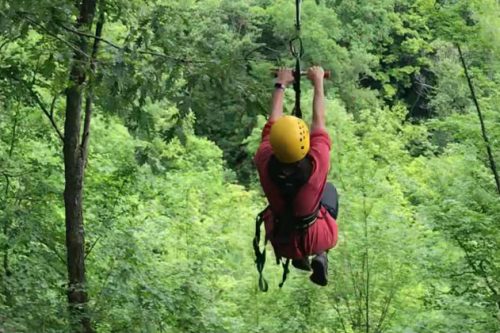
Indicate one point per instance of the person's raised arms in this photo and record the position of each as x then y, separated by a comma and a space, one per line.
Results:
283, 78
316, 74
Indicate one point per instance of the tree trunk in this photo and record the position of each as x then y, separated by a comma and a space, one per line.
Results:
74, 164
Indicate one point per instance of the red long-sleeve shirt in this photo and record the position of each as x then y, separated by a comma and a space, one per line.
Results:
320, 236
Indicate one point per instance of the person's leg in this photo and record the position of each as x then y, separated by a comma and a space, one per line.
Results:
302, 264
330, 199
319, 265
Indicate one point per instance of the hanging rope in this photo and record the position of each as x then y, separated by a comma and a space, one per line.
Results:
297, 50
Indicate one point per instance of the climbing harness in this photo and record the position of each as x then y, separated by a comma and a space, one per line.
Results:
301, 223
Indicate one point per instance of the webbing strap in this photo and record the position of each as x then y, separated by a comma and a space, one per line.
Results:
297, 14
297, 50
260, 256
297, 112
286, 264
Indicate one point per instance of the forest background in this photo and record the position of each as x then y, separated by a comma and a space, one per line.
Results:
160, 105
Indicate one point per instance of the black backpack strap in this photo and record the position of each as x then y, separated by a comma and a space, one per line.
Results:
260, 256
304, 222
285, 265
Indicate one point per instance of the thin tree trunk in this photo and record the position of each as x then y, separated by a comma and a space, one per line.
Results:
493, 166
367, 265
6, 269
341, 318
74, 162
354, 314
7, 272
385, 310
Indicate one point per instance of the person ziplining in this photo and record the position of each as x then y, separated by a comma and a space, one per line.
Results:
293, 164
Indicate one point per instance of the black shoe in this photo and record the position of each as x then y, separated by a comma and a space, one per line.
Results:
302, 264
319, 266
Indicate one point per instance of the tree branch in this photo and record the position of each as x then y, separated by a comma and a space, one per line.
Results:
113, 204
92, 247
450, 276
24, 15
97, 36
340, 315
128, 50
490, 285
385, 310
35, 23
481, 121
349, 272
52, 105
14, 131
53, 250
478, 270
4, 43
355, 315
48, 113
8, 40
90, 87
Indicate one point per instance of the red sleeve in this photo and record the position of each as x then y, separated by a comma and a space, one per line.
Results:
320, 152
264, 152
266, 131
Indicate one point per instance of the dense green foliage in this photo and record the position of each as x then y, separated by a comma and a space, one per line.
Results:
181, 94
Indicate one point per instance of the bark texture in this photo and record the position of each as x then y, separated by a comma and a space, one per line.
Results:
75, 153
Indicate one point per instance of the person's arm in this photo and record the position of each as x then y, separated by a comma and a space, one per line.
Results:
315, 74
284, 77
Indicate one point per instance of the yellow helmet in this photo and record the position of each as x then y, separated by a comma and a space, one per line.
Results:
289, 139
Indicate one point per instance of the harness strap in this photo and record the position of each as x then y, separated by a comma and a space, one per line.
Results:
260, 256
305, 222
285, 272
